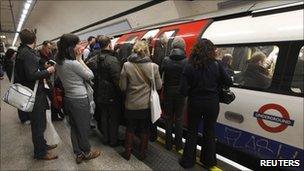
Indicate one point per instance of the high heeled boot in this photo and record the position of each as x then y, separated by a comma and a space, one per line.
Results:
144, 138
128, 145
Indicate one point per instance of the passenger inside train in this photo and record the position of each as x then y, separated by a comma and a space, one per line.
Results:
204, 92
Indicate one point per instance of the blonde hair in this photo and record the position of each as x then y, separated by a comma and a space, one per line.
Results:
141, 48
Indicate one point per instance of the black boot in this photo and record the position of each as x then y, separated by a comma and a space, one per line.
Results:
128, 145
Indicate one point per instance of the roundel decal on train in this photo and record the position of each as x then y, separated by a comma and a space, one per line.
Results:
283, 120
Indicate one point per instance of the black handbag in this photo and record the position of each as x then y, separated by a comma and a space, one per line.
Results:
225, 94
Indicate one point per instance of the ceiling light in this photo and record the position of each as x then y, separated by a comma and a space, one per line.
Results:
3, 37
25, 10
27, 6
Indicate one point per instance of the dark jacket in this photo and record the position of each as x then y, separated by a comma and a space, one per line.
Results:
159, 53
202, 84
27, 72
27, 69
8, 67
108, 74
172, 68
256, 76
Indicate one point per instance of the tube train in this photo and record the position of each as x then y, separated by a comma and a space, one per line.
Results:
262, 122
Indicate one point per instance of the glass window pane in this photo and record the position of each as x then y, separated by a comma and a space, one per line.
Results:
250, 66
297, 80
150, 33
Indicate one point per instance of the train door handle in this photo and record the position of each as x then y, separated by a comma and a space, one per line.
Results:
234, 117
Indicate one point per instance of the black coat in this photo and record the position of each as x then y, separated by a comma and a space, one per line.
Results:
202, 84
27, 70
172, 68
159, 53
108, 75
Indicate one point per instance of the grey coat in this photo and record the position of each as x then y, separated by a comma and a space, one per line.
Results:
131, 82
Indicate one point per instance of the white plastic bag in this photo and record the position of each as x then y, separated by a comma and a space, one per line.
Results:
154, 101
50, 133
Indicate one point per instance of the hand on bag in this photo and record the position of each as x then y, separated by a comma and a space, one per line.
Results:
51, 69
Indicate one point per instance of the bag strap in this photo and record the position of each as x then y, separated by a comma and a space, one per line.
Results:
153, 78
142, 74
13, 74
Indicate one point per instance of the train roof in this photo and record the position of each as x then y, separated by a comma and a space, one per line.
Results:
245, 10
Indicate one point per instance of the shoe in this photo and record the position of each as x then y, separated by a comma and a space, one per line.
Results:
92, 154
50, 147
214, 168
48, 156
79, 158
184, 164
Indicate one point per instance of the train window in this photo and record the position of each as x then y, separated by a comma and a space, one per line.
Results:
162, 46
150, 33
131, 39
249, 66
297, 84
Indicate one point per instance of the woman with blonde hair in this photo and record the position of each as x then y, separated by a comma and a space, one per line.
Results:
136, 76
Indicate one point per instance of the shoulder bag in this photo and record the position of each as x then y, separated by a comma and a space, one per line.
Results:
154, 97
19, 96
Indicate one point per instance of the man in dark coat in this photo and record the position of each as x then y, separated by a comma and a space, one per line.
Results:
108, 92
27, 72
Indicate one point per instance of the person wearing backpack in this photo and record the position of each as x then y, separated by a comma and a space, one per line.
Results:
108, 92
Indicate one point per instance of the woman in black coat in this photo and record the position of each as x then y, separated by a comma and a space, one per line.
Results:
200, 81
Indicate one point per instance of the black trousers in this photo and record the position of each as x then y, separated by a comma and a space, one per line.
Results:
209, 110
38, 125
110, 118
78, 111
174, 105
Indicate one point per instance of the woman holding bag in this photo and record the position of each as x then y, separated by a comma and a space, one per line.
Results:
73, 73
200, 82
136, 78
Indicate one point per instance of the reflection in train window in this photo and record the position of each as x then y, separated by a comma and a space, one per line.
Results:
150, 33
297, 84
249, 66
163, 46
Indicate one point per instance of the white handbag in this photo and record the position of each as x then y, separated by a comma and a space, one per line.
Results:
154, 98
50, 133
19, 96
154, 101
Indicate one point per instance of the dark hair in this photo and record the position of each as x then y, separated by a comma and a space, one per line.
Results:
202, 51
9, 54
103, 41
27, 37
90, 38
46, 42
66, 47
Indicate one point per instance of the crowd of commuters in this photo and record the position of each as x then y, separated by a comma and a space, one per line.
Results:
122, 85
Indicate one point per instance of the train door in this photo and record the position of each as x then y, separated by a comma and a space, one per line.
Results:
266, 118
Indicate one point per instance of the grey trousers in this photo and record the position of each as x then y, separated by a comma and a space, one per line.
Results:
79, 119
